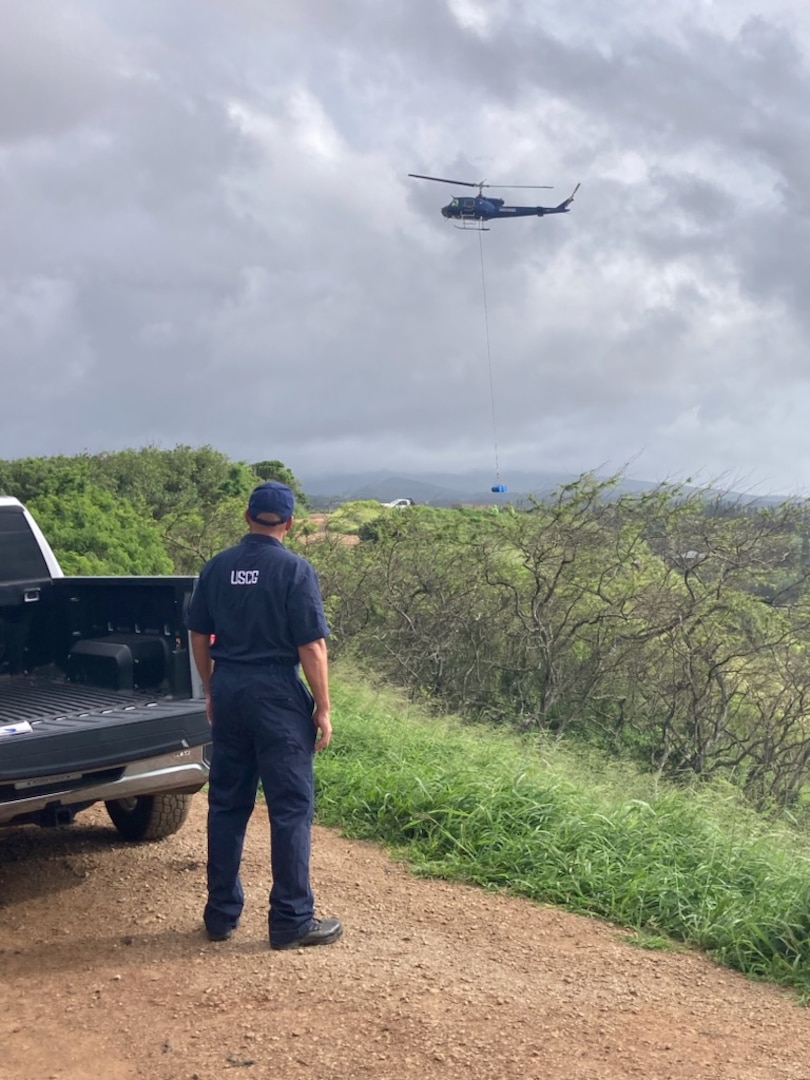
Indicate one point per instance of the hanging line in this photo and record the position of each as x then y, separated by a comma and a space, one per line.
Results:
489, 357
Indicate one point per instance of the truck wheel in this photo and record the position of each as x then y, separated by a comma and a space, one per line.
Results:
149, 817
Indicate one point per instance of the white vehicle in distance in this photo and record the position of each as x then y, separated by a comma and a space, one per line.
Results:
399, 504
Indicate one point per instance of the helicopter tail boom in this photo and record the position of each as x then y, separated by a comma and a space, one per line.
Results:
563, 206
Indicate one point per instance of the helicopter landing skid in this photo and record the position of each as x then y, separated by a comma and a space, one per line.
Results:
476, 227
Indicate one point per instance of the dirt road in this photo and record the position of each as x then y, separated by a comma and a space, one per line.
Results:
106, 974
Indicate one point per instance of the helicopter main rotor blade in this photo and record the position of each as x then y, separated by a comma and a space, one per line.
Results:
441, 180
524, 187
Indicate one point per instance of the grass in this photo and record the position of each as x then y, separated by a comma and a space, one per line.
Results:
472, 804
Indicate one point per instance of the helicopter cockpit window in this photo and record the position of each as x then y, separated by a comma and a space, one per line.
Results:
469, 204
454, 202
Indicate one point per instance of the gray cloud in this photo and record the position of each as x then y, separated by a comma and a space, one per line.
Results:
208, 235
56, 66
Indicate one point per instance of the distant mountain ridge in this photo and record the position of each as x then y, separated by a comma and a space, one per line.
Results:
439, 489
449, 489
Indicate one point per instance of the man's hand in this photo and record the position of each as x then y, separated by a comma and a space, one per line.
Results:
323, 727
315, 662
201, 651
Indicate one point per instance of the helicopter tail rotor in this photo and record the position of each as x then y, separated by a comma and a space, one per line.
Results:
567, 202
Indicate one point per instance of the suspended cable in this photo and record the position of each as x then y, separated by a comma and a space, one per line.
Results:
489, 362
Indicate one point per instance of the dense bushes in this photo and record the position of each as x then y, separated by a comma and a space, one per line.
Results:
662, 626
167, 509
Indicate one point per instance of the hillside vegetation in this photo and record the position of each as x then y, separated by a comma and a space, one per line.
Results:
632, 672
661, 627
665, 628
524, 813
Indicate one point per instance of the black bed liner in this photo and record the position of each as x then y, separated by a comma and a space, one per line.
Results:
84, 727
39, 699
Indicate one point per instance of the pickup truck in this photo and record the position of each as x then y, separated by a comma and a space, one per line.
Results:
99, 699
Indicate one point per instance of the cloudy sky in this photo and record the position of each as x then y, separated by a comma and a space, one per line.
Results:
208, 234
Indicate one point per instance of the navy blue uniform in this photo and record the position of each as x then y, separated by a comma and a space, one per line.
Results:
261, 602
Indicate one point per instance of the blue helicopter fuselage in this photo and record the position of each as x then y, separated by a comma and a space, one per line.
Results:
481, 209
465, 208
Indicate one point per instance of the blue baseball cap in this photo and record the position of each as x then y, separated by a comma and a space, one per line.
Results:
273, 499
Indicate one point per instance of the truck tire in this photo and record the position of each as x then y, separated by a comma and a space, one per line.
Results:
149, 817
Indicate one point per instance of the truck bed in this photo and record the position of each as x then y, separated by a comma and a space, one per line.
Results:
99, 701
37, 699
84, 728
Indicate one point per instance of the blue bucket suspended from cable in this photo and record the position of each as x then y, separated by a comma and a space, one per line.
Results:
498, 489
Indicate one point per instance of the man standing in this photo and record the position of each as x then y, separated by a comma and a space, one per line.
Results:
263, 606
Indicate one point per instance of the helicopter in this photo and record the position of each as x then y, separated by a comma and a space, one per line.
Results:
472, 212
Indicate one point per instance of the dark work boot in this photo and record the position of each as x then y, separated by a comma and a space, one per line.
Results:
221, 932
319, 932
